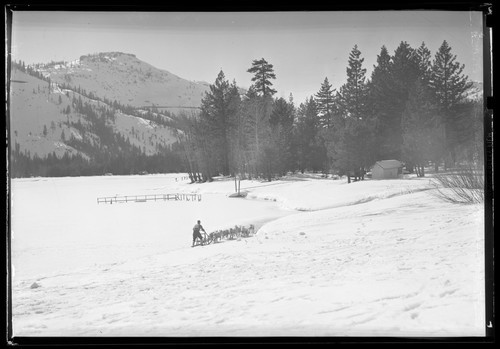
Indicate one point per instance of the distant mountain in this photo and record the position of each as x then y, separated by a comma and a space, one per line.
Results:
51, 118
97, 104
126, 79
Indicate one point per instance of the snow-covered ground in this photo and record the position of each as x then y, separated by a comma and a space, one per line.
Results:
370, 258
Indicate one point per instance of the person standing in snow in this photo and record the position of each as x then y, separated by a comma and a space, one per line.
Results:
196, 231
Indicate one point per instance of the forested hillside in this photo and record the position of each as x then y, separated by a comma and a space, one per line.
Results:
60, 130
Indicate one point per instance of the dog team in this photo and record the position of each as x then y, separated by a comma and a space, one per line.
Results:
233, 233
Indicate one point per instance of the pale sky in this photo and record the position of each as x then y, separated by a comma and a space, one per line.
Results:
304, 47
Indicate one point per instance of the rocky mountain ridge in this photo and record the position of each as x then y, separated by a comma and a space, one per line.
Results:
128, 80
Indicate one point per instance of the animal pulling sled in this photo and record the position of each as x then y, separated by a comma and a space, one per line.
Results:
229, 234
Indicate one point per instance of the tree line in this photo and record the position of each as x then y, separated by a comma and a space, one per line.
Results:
26, 164
413, 108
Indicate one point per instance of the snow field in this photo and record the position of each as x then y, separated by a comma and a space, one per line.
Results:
380, 258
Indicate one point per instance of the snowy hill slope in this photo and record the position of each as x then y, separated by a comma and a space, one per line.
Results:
125, 78
34, 106
370, 258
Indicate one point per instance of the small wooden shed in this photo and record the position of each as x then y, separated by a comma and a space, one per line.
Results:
386, 169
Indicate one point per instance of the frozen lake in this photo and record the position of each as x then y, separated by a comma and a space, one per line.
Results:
58, 226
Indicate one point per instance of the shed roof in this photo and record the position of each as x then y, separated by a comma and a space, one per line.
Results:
385, 164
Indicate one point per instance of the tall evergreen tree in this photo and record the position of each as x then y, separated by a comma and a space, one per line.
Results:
237, 137
215, 110
422, 134
380, 102
351, 142
259, 106
325, 104
263, 73
310, 150
380, 74
450, 87
424, 61
448, 82
256, 110
404, 71
281, 121
354, 91
349, 149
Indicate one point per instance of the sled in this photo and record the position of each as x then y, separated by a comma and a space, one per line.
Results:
207, 240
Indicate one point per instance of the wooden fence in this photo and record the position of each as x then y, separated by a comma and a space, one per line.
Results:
150, 197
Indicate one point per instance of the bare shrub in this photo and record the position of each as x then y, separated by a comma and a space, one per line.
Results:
463, 185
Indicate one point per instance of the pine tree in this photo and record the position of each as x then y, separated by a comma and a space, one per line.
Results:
236, 136
422, 134
281, 121
380, 103
380, 75
450, 87
349, 148
448, 82
351, 142
310, 150
403, 72
325, 104
215, 114
424, 61
251, 93
263, 73
257, 109
354, 92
